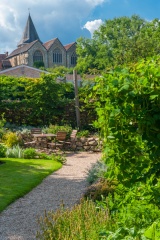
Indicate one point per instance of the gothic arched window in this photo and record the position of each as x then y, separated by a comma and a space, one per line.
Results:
57, 56
37, 57
73, 59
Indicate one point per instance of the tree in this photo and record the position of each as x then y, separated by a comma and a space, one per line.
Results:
34, 101
119, 41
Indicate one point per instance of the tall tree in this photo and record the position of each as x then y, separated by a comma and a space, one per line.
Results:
119, 41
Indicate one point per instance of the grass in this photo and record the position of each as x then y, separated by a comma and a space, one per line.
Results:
19, 176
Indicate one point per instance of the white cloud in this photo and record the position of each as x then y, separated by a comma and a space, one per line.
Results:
52, 18
96, 2
91, 26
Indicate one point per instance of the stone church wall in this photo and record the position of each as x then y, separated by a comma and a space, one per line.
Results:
31, 51
69, 54
57, 44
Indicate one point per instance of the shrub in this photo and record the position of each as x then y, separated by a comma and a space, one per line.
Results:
83, 133
44, 156
96, 171
2, 123
38, 64
30, 153
84, 221
15, 152
101, 189
59, 158
2, 150
55, 128
10, 139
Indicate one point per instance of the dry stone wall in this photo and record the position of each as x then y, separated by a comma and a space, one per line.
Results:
86, 144
78, 144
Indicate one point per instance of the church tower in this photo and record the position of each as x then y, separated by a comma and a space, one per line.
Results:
29, 34
32, 52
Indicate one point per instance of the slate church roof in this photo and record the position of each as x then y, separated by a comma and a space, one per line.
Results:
30, 34
22, 49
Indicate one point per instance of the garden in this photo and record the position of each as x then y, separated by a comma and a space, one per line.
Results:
121, 106
124, 198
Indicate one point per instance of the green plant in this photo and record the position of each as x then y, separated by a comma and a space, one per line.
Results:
27, 98
55, 128
15, 152
44, 156
153, 232
30, 153
59, 158
38, 64
83, 222
83, 133
98, 190
2, 123
96, 171
3, 150
127, 102
10, 139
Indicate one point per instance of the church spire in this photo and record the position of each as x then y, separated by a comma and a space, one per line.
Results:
29, 34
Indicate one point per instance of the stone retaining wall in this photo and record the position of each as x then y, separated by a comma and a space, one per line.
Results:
78, 144
86, 144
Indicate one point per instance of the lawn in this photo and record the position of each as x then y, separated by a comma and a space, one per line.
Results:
19, 176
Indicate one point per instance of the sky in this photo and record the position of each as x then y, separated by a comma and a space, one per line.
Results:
66, 20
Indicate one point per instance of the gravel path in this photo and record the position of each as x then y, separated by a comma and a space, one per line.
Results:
19, 220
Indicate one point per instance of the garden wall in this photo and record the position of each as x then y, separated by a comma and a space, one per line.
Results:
78, 144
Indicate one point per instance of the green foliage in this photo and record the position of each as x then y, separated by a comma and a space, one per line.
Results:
55, 128
83, 133
87, 51
30, 153
127, 101
34, 102
128, 110
96, 171
15, 152
59, 71
153, 232
118, 41
44, 156
2, 124
2, 150
99, 189
131, 215
11, 139
2, 121
84, 221
59, 158
38, 64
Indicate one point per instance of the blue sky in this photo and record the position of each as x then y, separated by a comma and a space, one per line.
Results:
66, 19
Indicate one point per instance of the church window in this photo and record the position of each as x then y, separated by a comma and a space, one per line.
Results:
37, 57
73, 59
57, 56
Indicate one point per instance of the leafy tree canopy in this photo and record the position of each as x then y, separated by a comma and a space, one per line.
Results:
117, 42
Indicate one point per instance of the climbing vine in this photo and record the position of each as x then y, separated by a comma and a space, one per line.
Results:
127, 101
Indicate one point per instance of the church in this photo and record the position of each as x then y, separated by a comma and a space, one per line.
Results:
30, 50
